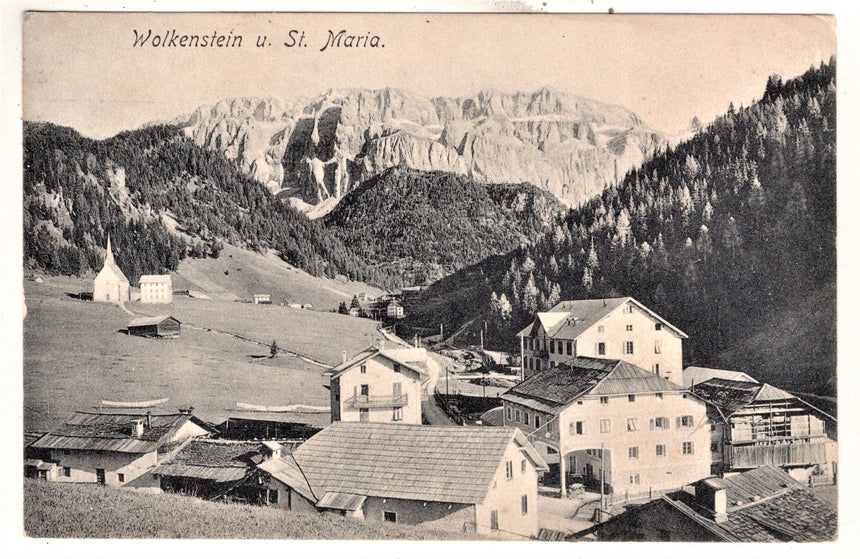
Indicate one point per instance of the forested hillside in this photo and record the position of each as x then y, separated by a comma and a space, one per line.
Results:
160, 197
414, 227
723, 235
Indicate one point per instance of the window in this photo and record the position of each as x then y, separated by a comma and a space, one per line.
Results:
397, 367
660, 423
526, 417
524, 505
658, 326
634, 479
100, 476
687, 447
508, 412
656, 368
659, 395
660, 450
523, 466
633, 452
537, 421
604, 399
517, 415
389, 516
631, 424
364, 369
120, 478
579, 428
365, 390
67, 472
628, 348
600, 329
605, 425
552, 346
629, 328
398, 414
658, 348
628, 309
684, 421
363, 415
601, 348
509, 469
631, 397
494, 520
570, 348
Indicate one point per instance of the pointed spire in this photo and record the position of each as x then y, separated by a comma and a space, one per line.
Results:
109, 255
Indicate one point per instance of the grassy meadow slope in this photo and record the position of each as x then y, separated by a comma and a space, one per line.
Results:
239, 273
75, 354
58, 510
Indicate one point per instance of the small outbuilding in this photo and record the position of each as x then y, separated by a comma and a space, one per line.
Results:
262, 299
163, 326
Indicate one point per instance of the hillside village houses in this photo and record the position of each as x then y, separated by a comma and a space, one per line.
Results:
467, 479
110, 285
114, 447
620, 328
606, 419
156, 289
382, 385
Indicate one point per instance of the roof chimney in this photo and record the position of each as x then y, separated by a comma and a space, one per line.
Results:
186, 411
149, 420
343, 356
137, 428
712, 498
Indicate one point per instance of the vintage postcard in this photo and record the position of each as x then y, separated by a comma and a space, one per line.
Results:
429, 276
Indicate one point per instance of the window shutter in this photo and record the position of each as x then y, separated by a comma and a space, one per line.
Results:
678, 422
651, 423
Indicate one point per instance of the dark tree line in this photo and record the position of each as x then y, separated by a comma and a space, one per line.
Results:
713, 234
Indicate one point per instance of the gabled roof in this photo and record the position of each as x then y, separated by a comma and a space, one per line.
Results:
558, 387
767, 504
494, 417
287, 471
730, 396
372, 352
112, 268
695, 375
763, 505
162, 278
110, 431
569, 319
418, 462
216, 460
151, 320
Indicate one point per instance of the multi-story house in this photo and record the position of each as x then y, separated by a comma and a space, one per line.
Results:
156, 289
756, 424
478, 480
621, 328
377, 385
609, 419
114, 448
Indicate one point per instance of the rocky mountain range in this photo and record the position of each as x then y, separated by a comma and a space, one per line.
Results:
316, 150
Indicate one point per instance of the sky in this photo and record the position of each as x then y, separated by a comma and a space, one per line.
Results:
83, 70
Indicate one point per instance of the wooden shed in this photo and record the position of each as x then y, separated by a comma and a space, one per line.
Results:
154, 326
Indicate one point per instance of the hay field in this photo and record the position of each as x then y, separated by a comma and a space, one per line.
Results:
75, 355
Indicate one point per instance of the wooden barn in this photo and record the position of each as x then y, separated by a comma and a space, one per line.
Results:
154, 327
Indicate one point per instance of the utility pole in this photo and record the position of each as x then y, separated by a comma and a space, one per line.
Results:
602, 474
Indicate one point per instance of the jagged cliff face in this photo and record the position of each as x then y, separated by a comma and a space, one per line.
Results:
319, 149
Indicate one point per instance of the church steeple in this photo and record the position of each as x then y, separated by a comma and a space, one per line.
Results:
109, 255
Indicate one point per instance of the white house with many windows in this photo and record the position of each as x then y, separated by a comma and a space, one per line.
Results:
155, 289
642, 431
620, 328
377, 385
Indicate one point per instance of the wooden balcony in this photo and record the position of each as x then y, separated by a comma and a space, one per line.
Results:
781, 454
369, 402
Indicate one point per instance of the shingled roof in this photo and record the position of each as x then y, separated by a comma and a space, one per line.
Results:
559, 386
569, 319
216, 460
418, 462
731, 395
372, 352
109, 431
150, 320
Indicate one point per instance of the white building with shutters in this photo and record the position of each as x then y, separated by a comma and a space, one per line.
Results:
156, 289
620, 328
